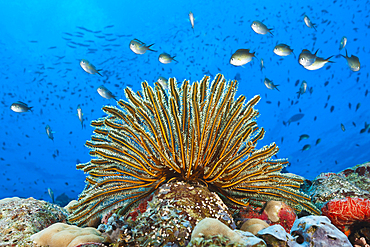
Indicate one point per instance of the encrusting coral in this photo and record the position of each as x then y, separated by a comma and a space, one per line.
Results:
20, 218
197, 133
63, 235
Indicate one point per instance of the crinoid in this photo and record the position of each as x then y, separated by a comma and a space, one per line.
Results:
196, 133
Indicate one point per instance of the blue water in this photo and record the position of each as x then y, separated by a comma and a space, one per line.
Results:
41, 46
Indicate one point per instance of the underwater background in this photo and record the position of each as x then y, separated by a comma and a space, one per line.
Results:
42, 43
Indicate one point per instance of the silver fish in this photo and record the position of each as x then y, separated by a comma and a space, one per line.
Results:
260, 28
306, 58
319, 63
270, 85
20, 107
105, 93
353, 62
163, 81
283, 50
191, 18
343, 42
139, 47
88, 67
262, 64
80, 115
302, 88
309, 23
166, 58
51, 194
49, 132
241, 57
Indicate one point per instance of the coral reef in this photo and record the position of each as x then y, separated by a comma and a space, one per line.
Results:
328, 186
209, 227
197, 133
276, 235
174, 211
254, 225
273, 212
20, 218
358, 175
344, 213
63, 235
313, 230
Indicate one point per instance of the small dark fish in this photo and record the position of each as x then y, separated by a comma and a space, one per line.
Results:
318, 141
306, 147
358, 106
332, 108
342, 127
303, 137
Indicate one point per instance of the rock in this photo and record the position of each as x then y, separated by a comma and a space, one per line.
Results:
276, 236
208, 227
344, 213
358, 175
329, 186
254, 225
62, 200
318, 231
176, 208
115, 230
20, 218
63, 235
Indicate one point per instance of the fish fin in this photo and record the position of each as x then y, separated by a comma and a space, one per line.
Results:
316, 51
139, 41
99, 72
173, 58
30, 109
151, 49
275, 86
346, 53
313, 25
329, 58
270, 29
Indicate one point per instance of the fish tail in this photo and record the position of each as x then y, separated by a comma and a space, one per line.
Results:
30, 109
276, 87
99, 72
151, 49
270, 29
329, 58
